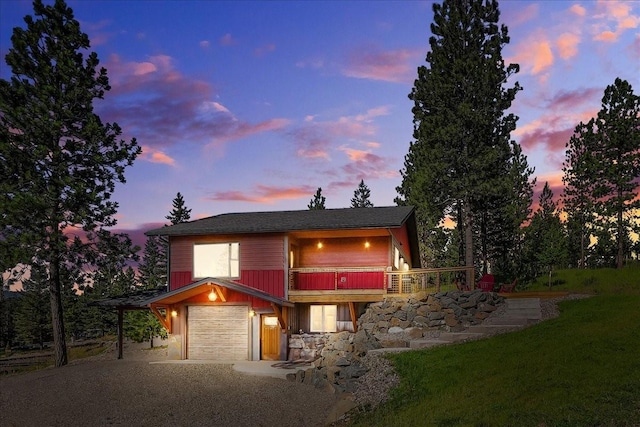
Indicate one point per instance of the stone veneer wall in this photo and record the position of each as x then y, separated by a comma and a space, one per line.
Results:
391, 323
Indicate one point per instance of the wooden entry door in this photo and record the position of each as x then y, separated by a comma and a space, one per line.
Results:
269, 338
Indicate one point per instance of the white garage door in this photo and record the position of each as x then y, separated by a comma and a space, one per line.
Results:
218, 332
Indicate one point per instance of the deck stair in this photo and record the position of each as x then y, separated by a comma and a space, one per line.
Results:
518, 314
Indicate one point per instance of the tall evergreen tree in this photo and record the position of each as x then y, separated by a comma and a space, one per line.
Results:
545, 238
58, 162
361, 196
180, 212
33, 314
318, 200
153, 268
605, 152
462, 145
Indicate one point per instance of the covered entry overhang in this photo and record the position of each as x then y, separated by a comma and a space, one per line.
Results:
221, 289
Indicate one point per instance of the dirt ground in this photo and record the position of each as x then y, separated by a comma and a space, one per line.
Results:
105, 391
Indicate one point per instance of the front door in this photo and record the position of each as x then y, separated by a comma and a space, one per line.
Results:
269, 338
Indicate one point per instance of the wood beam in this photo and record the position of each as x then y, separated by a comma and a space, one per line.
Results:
219, 291
281, 319
164, 320
354, 318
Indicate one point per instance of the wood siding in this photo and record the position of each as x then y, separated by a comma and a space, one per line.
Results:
402, 238
344, 252
262, 259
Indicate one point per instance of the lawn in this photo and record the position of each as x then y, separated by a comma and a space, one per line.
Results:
581, 369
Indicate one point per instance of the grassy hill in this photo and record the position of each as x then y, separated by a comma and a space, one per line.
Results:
581, 369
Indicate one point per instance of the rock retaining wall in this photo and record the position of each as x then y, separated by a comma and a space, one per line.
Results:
391, 323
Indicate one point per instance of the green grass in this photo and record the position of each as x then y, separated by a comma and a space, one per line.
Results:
596, 281
581, 369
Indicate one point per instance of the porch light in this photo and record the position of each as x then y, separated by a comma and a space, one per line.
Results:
174, 313
320, 245
252, 313
212, 295
367, 245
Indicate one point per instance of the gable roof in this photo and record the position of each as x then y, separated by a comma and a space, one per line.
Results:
284, 221
202, 285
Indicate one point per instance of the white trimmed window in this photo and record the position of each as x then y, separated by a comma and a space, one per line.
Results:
216, 260
323, 318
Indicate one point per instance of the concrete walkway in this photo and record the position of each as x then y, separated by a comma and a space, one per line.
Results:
519, 313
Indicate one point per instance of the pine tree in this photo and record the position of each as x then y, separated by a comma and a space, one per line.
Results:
461, 150
153, 268
33, 314
605, 154
318, 200
361, 196
179, 213
545, 236
58, 162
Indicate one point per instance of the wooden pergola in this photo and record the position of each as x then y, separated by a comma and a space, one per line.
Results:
133, 301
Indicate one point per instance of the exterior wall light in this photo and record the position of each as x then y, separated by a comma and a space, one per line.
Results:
174, 313
320, 245
367, 245
252, 313
212, 295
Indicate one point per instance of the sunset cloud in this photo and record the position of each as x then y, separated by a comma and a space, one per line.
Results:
613, 19
159, 106
370, 62
567, 44
534, 55
155, 156
227, 40
578, 10
263, 50
264, 194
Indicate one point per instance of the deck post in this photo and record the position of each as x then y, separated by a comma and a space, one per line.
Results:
120, 331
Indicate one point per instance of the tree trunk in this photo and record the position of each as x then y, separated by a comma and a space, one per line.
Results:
57, 319
620, 257
468, 240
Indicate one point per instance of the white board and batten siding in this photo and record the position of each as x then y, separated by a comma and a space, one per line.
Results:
218, 332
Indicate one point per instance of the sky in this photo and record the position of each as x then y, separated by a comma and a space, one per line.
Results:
253, 105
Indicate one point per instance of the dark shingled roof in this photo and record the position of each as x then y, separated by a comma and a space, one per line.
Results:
284, 221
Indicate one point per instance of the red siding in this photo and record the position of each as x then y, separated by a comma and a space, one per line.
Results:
270, 281
316, 281
344, 252
179, 279
361, 280
402, 237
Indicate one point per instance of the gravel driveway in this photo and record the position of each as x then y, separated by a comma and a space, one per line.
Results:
132, 392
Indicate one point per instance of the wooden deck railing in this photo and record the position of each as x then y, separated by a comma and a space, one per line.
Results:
378, 278
427, 279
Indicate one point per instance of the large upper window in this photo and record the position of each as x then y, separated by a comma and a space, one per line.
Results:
323, 318
216, 260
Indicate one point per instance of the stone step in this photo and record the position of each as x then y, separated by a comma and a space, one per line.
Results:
389, 350
507, 320
525, 314
426, 343
523, 303
491, 329
458, 336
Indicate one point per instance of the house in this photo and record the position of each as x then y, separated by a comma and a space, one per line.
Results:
241, 283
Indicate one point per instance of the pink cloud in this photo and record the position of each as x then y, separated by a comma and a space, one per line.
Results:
161, 107
263, 50
578, 10
155, 156
606, 36
567, 44
227, 40
533, 54
523, 15
204, 44
264, 194
369, 62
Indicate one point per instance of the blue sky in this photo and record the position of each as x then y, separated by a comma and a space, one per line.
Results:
251, 106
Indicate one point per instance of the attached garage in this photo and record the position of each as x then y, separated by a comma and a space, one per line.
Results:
218, 332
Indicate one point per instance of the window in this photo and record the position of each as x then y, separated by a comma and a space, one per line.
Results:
216, 260
323, 318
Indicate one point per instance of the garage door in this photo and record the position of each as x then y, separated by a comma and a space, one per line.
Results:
218, 332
